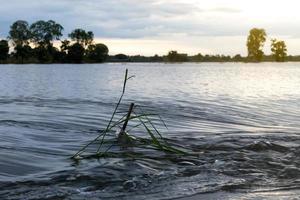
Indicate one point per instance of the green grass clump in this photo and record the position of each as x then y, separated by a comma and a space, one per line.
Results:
153, 140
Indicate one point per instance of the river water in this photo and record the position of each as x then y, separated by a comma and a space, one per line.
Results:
241, 121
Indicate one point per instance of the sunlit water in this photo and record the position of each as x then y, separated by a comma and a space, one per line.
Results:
241, 120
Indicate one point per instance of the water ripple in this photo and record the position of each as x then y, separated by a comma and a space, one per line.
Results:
241, 128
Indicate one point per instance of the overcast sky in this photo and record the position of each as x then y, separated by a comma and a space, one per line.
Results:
157, 26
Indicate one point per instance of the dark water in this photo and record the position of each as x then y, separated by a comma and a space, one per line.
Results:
242, 120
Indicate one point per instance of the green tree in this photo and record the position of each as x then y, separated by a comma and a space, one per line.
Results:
97, 52
43, 34
65, 44
279, 50
82, 37
237, 58
76, 53
20, 36
4, 49
64, 48
174, 56
156, 58
23, 52
46, 54
121, 56
255, 43
198, 58
19, 33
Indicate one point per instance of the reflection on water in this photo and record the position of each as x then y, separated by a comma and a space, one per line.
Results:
241, 119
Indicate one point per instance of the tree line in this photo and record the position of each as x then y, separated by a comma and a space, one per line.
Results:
255, 43
35, 44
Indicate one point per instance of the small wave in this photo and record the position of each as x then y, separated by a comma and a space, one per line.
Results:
266, 145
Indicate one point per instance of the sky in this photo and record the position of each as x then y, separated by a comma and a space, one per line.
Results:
149, 27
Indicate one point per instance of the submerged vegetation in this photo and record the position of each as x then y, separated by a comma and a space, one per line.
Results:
43, 42
116, 133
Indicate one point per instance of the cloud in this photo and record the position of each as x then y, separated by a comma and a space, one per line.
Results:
225, 10
114, 18
134, 18
178, 21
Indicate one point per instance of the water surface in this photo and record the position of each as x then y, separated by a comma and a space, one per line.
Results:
242, 120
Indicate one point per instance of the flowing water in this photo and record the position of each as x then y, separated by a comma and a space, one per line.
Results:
240, 120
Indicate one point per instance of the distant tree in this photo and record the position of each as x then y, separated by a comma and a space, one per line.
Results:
82, 37
46, 54
23, 52
19, 33
279, 50
198, 58
224, 58
44, 32
121, 57
76, 53
65, 44
4, 49
20, 36
57, 56
139, 58
255, 43
156, 58
97, 52
64, 49
174, 56
237, 58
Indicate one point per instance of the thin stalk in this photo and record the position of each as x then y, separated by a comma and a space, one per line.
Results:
150, 133
148, 120
127, 118
153, 124
116, 108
